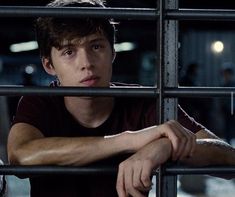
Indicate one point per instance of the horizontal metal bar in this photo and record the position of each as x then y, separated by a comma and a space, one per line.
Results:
79, 91
58, 170
199, 92
68, 170
125, 91
200, 14
118, 13
174, 170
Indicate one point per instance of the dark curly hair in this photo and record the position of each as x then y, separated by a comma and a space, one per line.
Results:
51, 32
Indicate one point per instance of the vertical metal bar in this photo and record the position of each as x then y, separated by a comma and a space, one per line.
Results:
167, 77
169, 184
160, 60
160, 81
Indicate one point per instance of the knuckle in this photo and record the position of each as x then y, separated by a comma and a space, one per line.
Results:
136, 184
145, 179
148, 163
121, 166
184, 139
129, 190
177, 140
118, 186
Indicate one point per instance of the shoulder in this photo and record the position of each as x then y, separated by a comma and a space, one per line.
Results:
39, 101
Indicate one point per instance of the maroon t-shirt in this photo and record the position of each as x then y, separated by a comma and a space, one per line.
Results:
50, 116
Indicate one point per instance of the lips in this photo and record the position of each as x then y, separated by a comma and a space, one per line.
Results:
89, 80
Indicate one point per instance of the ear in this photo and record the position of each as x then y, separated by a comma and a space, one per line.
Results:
48, 67
114, 55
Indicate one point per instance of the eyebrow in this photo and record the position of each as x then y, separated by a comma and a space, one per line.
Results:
62, 46
97, 40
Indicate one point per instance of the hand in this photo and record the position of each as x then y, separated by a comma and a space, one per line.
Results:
134, 174
183, 140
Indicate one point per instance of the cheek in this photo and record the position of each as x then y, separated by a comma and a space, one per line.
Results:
65, 77
108, 73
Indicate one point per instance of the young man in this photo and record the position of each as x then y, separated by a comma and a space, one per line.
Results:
79, 131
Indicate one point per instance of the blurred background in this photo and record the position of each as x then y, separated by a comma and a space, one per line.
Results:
206, 58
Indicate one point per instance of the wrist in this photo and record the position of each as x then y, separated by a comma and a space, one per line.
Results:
122, 142
167, 146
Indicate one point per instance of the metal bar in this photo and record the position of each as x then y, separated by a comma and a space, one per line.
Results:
119, 13
78, 91
200, 14
160, 83
199, 92
200, 170
169, 79
69, 170
56, 170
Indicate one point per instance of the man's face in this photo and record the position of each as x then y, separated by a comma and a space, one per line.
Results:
84, 62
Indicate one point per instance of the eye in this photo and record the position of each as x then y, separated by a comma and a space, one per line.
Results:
68, 52
96, 46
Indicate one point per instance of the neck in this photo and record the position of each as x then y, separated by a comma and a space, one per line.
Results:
90, 112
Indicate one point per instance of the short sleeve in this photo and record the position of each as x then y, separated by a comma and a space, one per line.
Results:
188, 122
31, 110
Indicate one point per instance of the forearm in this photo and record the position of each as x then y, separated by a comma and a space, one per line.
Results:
157, 151
28, 146
68, 151
211, 152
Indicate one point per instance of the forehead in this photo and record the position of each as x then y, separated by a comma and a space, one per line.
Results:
78, 40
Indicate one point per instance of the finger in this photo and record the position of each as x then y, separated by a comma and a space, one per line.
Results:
128, 180
191, 140
176, 140
187, 148
194, 143
185, 141
166, 130
137, 177
120, 183
146, 175
191, 144
128, 177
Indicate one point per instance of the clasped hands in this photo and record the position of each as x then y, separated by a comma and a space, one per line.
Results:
153, 146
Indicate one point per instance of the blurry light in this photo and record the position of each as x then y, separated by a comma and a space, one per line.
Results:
124, 46
29, 69
217, 46
24, 46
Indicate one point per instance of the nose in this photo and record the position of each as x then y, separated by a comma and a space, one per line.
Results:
85, 60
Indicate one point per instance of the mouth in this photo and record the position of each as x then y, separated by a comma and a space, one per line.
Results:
90, 80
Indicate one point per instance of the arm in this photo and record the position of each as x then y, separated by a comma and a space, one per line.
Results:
28, 146
134, 174
210, 150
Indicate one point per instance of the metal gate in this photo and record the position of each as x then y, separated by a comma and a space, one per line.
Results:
167, 14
